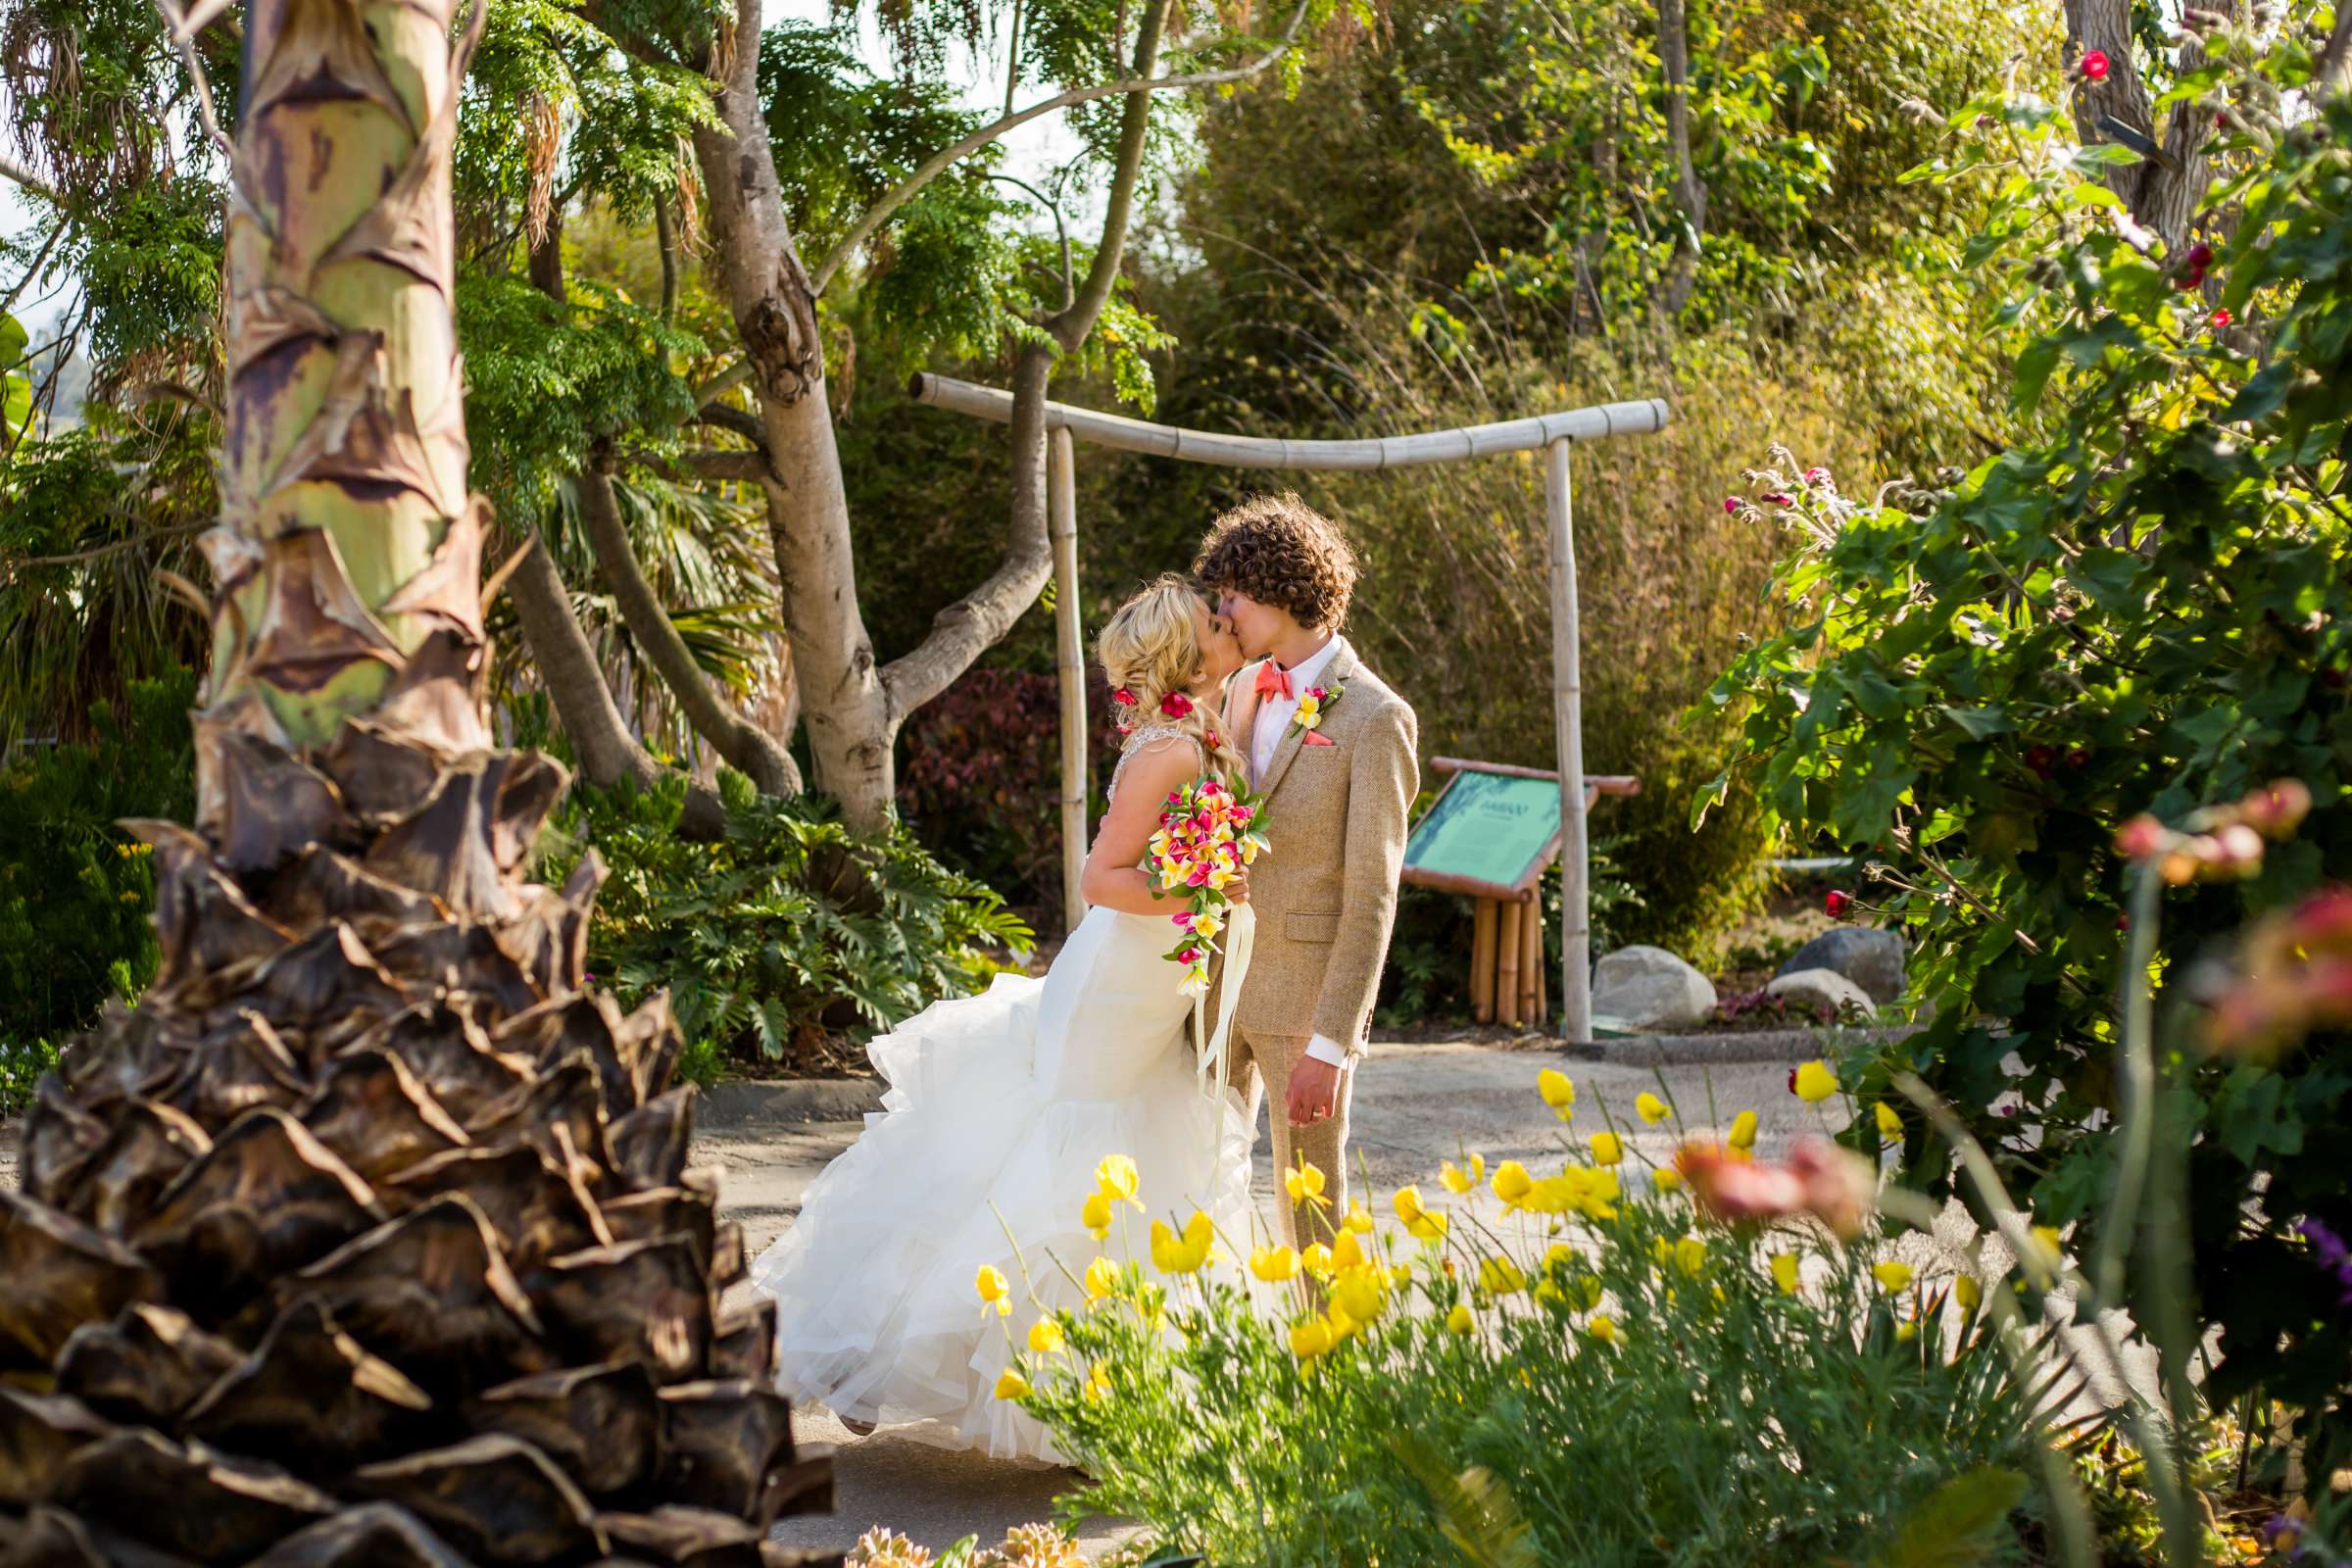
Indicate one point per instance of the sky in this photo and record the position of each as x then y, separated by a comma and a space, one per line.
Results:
1032, 151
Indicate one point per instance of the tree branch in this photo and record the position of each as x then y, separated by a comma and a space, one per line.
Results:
1071, 327
946, 157
745, 746
22, 174
2336, 63
735, 422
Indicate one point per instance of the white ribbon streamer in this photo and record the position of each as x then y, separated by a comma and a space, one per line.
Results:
1241, 933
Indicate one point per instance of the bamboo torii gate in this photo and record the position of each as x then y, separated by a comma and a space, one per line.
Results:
1550, 433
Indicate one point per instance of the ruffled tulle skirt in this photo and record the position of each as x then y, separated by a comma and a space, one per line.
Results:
998, 1110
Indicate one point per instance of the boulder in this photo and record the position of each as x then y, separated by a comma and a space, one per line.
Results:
1648, 990
1826, 989
1870, 958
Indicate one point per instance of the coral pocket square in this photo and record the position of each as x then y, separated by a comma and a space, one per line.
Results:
1315, 737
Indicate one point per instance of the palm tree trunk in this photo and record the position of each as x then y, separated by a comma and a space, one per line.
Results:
368, 1238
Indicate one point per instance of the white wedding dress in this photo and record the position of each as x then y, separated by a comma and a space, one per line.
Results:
999, 1108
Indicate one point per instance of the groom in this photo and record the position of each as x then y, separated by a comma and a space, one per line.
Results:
1339, 773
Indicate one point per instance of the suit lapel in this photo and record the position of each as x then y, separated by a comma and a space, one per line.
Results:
1338, 673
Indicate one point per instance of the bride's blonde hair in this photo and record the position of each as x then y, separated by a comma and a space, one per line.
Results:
1153, 648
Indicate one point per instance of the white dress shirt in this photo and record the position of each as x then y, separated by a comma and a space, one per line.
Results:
1273, 722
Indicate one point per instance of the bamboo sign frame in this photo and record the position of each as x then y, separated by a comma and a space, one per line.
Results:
1550, 433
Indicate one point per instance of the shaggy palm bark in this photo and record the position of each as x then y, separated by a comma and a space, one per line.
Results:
369, 1238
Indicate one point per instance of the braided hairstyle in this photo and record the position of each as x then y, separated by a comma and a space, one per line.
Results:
1151, 648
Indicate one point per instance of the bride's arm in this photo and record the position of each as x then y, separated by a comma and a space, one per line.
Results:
1111, 878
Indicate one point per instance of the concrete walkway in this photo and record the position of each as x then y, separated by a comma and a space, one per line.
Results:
1415, 1105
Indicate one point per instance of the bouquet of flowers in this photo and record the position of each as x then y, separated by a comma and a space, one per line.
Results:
1207, 834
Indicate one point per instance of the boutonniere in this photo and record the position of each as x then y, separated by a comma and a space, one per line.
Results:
1312, 706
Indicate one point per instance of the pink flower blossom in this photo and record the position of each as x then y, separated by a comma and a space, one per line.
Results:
1819, 1179
1732, 504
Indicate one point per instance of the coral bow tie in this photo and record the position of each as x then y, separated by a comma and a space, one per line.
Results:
1272, 681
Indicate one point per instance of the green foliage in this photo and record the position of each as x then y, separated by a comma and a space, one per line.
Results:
2145, 609
22, 1063
787, 927
16, 387
1655, 1397
74, 890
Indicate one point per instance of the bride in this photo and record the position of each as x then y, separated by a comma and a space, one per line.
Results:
1001, 1106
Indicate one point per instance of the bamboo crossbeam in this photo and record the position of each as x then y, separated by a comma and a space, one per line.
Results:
1123, 434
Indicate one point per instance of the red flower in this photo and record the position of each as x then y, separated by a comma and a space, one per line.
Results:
1123, 697
2042, 759
1833, 1185
1732, 504
1175, 705
2221, 316
2200, 254
1774, 498
2094, 66
1837, 902
2079, 757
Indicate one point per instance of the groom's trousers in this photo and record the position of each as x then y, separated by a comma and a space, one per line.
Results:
1261, 1068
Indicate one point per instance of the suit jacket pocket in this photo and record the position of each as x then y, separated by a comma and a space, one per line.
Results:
1300, 927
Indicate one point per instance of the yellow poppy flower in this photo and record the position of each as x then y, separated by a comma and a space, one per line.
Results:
1456, 1180
1311, 1337
1744, 1131
1891, 1125
1500, 1276
1359, 1218
1101, 1278
1274, 1265
1095, 1216
1891, 1275
990, 1283
1460, 1321
1360, 1292
1968, 1292
1118, 1179
1558, 1091
1784, 1272
1601, 1328
1606, 1150
1512, 1182
1421, 1223
1649, 1108
1346, 1253
1097, 1381
1304, 1184
1172, 1253
1046, 1337
1667, 1178
1905, 1332
1691, 1256
1315, 1258
1011, 1386
1814, 1082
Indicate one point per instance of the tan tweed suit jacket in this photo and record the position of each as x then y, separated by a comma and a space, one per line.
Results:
1326, 891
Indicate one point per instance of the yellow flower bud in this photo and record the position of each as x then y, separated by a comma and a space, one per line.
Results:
1101, 1278
1045, 1336
1118, 1179
1602, 1329
1311, 1337
990, 1283
1359, 1218
1274, 1265
1667, 1178
1815, 1083
1500, 1276
1512, 1182
1097, 1381
1905, 1332
1346, 1253
1891, 1125
1744, 1131
1094, 1215
1968, 1292
1558, 1091
1606, 1150
1359, 1293
1011, 1386
1649, 1108
1784, 1272
1691, 1256
1891, 1275
1459, 1321
1456, 1180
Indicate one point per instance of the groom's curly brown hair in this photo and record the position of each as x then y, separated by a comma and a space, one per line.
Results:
1282, 552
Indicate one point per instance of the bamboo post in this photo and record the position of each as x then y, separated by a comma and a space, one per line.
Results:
1069, 658
1482, 961
1567, 701
1530, 969
1506, 961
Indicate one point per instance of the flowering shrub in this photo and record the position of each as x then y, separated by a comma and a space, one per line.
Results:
2143, 605
1523, 1365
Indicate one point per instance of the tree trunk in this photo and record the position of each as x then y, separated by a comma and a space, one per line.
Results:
850, 709
1674, 60
2166, 187
368, 1236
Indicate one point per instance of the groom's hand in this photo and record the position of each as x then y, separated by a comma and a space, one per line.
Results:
1314, 1091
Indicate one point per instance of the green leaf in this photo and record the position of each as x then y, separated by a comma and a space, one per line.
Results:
960, 1555
1953, 1526
1980, 723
